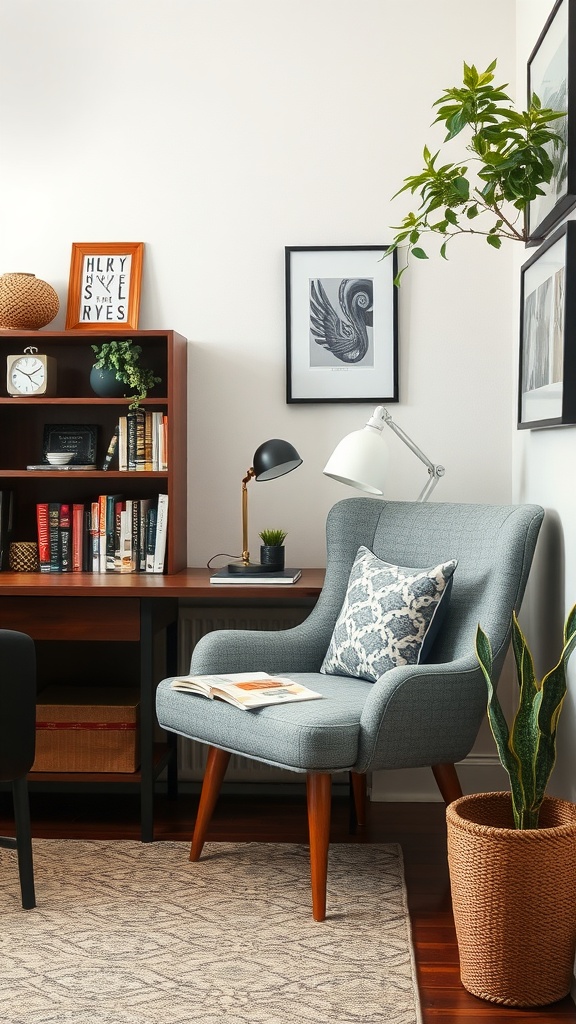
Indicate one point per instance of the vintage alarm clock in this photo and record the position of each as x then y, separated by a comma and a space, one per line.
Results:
31, 373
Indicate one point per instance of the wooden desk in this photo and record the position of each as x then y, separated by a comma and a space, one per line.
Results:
133, 610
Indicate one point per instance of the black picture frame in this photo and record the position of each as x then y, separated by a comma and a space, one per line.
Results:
78, 438
341, 324
552, 76
547, 364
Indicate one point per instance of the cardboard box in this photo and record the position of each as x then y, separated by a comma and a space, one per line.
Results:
87, 729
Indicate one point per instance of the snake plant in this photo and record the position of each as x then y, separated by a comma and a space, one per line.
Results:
528, 750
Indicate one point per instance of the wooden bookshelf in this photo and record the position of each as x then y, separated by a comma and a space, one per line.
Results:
82, 636
22, 422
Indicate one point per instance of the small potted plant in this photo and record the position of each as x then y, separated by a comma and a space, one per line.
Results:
509, 156
512, 855
272, 550
117, 371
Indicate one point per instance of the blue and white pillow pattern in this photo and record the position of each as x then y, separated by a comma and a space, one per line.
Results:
390, 616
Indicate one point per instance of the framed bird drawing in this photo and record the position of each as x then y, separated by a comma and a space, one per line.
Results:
341, 324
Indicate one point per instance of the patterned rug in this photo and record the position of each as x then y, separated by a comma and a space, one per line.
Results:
132, 933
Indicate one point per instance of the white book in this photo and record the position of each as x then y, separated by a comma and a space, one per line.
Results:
122, 444
161, 531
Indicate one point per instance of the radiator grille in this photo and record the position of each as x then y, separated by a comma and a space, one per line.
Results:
194, 624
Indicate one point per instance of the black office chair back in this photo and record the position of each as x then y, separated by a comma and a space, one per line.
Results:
17, 743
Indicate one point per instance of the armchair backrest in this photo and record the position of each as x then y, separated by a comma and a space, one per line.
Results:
494, 545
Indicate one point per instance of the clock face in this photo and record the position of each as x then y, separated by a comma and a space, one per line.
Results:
27, 375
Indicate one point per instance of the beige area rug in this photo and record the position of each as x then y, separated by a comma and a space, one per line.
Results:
132, 933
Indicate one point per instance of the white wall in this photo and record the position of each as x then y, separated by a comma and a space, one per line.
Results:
542, 472
220, 131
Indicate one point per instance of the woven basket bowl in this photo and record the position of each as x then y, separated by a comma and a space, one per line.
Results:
23, 556
26, 302
514, 899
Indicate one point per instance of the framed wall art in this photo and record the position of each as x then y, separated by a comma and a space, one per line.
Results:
547, 365
104, 286
552, 76
341, 324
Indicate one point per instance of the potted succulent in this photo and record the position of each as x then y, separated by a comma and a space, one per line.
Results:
117, 371
510, 156
272, 550
512, 856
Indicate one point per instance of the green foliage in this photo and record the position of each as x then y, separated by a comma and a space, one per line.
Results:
528, 750
124, 357
510, 153
273, 538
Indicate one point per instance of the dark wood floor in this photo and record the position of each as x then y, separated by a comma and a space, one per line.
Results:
419, 828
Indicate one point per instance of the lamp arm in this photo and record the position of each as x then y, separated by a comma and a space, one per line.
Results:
245, 481
381, 416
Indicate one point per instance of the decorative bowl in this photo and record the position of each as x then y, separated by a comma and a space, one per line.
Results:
59, 458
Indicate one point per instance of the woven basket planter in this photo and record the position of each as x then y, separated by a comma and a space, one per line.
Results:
26, 302
514, 899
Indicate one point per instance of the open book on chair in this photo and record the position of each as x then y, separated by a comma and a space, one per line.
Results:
246, 690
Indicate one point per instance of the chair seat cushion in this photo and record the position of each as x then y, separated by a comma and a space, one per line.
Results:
389, 617
315, 735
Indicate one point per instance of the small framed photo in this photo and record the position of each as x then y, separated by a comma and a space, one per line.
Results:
341, 324
552, 76
104, 286
547, 366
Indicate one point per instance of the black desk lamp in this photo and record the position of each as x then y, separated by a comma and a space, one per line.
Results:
273, 458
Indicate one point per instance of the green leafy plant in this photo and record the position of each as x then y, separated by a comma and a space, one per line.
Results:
273, 538
124, 358
510, 153
528, 750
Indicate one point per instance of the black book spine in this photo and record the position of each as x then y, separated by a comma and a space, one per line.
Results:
54, 531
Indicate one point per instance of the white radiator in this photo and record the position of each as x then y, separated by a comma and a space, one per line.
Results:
195, 623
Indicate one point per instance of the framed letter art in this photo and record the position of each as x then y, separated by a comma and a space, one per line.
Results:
552, 76
547, 367
341, 324
104, 287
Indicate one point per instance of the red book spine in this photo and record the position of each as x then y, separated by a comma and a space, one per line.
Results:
43, 536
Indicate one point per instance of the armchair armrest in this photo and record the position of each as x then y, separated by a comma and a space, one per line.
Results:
298, 649
408, 718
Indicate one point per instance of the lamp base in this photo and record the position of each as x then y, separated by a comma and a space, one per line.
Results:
250, 568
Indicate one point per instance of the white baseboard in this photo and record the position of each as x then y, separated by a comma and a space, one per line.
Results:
477, 774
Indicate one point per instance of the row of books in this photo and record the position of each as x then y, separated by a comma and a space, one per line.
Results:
110, 534
139, 442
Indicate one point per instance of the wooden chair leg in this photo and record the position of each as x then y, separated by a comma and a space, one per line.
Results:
24, 842
216, 766
358, 787
448, 782
318, 789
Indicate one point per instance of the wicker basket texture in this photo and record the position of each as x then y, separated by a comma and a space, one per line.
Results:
26, 302
23, 556
514, 899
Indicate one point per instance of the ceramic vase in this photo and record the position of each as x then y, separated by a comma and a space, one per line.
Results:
272, 554
105, 383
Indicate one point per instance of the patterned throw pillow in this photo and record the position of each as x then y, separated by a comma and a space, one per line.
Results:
388, 613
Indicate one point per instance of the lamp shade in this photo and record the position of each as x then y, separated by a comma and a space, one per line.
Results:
360, 459
274, 458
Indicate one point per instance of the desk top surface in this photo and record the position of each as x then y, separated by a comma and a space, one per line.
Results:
192, 583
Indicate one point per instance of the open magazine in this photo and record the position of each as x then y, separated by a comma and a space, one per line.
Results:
246, 690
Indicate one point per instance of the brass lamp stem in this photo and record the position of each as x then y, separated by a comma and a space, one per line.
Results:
245, 481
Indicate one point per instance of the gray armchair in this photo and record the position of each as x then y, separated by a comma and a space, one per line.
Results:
413, 715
